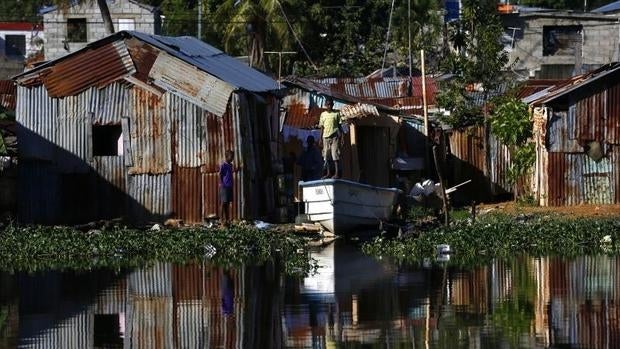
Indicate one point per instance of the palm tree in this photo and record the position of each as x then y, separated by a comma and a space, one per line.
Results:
257, 21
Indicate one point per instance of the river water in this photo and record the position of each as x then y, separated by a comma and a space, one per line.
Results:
352, 302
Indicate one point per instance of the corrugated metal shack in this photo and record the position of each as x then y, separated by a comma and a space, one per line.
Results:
577, 134
483, 159
371, 136
136, 125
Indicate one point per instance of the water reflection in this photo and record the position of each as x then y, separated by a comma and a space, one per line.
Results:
353, 301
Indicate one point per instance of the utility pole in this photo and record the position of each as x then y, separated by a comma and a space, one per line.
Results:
280, 53
409, 35
199, 20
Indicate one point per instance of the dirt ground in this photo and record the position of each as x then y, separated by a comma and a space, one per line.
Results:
577, 211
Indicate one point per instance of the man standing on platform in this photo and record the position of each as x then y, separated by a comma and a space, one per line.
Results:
332, 137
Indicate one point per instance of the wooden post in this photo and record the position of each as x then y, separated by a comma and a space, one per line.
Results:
355, 163
473, 211
425, 111
444, 198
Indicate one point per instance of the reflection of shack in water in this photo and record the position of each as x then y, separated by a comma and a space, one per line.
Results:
354, 300
164, 306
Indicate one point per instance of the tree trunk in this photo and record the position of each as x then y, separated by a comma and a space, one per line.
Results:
105, 15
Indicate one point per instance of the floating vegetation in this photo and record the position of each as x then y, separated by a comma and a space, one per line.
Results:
34, 248
502, 236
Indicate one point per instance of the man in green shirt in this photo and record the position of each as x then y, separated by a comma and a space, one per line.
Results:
332, 137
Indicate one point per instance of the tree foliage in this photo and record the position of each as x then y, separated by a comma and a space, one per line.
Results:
512, 125
477, 60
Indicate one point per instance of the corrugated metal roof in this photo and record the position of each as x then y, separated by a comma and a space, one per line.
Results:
212, 61
611, 7
8, 92
188, 49
203, 89
95, 66
573, 84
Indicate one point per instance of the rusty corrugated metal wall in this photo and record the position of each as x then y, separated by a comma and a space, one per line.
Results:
566, 175
172, 147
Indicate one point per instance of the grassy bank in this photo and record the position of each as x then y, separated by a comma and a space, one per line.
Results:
503, 236
35, 248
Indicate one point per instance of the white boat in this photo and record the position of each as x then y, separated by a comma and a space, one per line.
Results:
341, 206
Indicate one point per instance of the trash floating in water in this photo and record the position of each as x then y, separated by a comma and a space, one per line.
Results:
262, 225
423, 189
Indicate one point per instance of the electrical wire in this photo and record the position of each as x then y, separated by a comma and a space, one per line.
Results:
296, 38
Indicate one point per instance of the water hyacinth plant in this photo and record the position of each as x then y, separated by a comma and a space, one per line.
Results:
504, 236
33, 248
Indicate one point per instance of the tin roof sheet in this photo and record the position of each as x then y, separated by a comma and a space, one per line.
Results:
611, 7
211, 60
188, 49
572, 84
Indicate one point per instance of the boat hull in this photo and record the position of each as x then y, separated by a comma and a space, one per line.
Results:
340, 206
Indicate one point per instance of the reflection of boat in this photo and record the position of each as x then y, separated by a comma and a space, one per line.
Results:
341, 205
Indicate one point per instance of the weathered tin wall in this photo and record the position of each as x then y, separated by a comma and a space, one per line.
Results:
187, 194
576, 179
36, 123
172, 148
110, 104
150, 133
109, 199
566, 175
74, 133
468, 162
149, 197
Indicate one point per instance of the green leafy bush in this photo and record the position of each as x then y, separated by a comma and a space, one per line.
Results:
502, 236
33, 248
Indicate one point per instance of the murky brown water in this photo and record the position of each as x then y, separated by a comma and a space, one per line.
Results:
354, 302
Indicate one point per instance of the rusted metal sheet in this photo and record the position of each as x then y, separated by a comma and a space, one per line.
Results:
576, 179
96, 66
152, 322
211, 60
590, 116
187, 194
143, 56
189, 132
36, 115
109, 187
206, 90
8, 93
109, 104
149, 133
612, 135
598, 181
557, 168
211, 196
149, 197
359, 110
